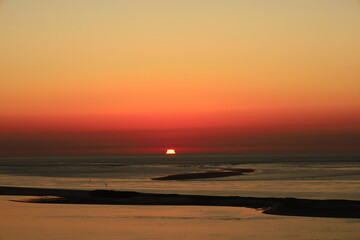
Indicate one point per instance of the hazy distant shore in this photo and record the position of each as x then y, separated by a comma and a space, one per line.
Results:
227, 172
276, 206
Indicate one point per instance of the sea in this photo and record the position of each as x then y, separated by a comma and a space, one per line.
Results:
311, 176
316, 176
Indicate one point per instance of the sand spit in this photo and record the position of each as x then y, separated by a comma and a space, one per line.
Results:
226, 172
276, 206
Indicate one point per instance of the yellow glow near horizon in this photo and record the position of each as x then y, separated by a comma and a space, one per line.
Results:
170, 152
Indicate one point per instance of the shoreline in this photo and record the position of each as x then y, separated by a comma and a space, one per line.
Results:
275, 206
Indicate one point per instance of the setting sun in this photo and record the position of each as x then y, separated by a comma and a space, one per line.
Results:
170, 152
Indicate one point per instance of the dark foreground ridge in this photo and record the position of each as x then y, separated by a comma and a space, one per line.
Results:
276, 206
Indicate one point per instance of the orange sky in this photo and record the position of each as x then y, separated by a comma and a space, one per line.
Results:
202, 76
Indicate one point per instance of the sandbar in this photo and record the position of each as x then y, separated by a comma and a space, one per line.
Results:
276, 206
226, 172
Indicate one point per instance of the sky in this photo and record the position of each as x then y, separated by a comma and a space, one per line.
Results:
199, 76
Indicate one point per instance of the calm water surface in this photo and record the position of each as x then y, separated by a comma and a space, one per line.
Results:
308, 176
99, 222
305, 176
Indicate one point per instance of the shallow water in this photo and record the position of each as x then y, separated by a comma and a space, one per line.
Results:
59, 221
318, 176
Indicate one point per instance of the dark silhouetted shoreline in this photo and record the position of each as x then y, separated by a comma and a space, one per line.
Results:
276, 206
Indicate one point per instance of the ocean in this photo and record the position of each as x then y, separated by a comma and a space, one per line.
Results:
316, 176
313, 176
